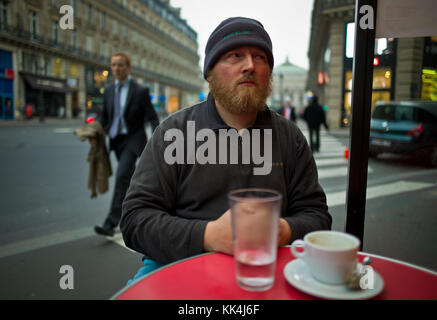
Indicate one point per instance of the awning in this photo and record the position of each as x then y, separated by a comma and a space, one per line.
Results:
50, 84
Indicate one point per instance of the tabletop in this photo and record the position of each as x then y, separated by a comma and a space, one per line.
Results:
211, 276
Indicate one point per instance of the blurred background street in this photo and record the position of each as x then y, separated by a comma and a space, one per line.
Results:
47, 215
53, 78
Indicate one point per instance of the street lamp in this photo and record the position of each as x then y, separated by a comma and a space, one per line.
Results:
281, 91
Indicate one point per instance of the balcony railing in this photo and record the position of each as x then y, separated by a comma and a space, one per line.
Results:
331, 4
25, 37
151, 27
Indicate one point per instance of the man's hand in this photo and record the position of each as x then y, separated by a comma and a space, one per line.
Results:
218, 234
284, 236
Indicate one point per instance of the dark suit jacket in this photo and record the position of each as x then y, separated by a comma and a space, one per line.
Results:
314, 115
137, 112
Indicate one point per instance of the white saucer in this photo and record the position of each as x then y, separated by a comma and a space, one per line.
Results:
299, 276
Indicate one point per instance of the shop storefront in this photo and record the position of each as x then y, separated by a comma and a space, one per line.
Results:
384, 68
429, 69
46, 95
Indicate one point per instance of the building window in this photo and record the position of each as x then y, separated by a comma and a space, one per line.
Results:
103, 49
30, 62
74, 39
125, 32
73, 4
90, 13
89, 44
55, 32
3, 15
103, 21
134, 37
115, 26
58, 67
33, 24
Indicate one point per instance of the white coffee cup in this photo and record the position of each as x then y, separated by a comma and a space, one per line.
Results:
331, 256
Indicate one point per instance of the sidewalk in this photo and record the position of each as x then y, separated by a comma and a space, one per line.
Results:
338, 132
34, 122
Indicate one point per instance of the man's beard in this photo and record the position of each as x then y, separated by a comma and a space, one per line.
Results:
238, 98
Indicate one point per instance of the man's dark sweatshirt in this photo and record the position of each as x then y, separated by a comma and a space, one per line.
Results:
167, 206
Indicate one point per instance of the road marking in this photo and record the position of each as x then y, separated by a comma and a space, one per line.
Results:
336, 172
44, 241
329, 154
63, 130
118, 239
383, 190
328, 162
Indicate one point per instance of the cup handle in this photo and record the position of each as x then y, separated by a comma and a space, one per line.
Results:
295, 245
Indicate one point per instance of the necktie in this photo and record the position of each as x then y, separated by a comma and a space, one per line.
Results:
113, 131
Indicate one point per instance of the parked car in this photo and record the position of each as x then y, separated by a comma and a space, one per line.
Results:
405, 127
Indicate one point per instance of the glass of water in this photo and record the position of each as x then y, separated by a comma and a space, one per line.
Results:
255, 223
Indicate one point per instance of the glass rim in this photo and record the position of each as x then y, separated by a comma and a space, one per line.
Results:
274, 194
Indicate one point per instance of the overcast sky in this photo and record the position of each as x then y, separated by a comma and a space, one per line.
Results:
288, 22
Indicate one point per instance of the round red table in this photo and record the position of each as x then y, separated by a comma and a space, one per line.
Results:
211, 276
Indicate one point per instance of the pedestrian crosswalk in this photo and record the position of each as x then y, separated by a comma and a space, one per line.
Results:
331, 163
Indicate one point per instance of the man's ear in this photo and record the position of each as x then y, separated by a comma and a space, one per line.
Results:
208, 75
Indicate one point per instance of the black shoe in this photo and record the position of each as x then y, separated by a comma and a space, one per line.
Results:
106, 230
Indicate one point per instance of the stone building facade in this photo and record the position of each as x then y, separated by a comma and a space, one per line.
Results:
404, 68
62, 72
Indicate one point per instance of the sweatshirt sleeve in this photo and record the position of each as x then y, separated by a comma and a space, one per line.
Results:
149, 224
306, 201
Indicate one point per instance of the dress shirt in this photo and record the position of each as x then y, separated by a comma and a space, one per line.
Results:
123, 97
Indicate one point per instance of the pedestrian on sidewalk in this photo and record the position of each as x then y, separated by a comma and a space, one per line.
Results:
288, 111
314, 115
126, 109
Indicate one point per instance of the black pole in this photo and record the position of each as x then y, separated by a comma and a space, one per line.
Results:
361, 109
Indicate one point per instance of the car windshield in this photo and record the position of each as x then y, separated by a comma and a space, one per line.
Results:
396, 113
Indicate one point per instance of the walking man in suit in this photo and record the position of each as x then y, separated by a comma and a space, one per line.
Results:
126, 109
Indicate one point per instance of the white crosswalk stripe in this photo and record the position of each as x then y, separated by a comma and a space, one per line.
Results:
330, 161
383, 190
118, 239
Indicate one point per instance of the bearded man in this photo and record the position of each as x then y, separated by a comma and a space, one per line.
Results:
179, 209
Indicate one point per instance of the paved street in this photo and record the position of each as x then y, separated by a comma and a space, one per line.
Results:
47, 218
47, 215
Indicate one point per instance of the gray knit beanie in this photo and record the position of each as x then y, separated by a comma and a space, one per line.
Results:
233, 33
